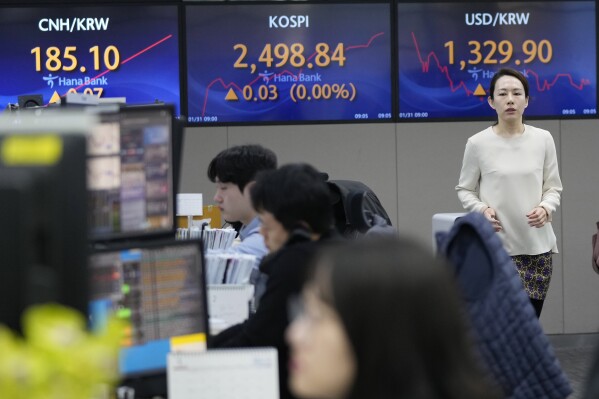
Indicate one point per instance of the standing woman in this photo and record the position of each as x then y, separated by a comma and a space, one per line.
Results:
510, 174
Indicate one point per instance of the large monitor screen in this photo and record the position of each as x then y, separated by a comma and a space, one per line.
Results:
448, 53
129, 51
43, 208
288, 62
158, 289
130, 173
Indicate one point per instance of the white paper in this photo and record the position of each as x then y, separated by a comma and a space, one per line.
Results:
189, 205
245, 373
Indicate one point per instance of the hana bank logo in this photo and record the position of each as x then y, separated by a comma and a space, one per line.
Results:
50, 80
69, 82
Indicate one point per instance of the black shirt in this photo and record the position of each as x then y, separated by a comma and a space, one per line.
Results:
286, 270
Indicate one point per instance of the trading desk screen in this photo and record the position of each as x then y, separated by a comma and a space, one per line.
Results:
448, 53
285, 62
109, 51
158, 291
130, 173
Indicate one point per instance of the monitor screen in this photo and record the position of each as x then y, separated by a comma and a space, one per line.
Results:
43, 209
288, 62
129, 51
158, 289
130, 173
448, 53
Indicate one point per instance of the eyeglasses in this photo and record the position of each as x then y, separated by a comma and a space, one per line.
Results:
295, 307
298, 310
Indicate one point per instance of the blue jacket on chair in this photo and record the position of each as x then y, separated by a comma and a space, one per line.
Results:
511, 343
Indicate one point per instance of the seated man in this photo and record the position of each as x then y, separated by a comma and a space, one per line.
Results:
233, 170
293, 204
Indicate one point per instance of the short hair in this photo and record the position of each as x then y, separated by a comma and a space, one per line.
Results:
295, 194
401, 311
239, 164
508, 72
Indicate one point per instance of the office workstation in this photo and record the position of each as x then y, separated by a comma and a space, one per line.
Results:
386, 93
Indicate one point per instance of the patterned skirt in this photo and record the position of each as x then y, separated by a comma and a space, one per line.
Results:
535, 273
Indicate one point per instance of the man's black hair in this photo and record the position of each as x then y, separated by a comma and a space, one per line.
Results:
296, 195
239, 164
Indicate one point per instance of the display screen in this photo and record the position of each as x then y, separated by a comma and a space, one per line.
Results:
158, 290
130, 173
448, 53
109, 51
43, 230
285, 62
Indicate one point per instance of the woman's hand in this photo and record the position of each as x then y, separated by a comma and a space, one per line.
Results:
537, 217
491, 216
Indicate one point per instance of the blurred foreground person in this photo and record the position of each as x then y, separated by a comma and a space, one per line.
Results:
381, 319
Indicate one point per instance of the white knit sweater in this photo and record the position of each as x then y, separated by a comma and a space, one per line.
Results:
513, 175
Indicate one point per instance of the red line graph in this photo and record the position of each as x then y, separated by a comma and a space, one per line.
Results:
546, 85
444, 69
151, 46
541, 84
285, 72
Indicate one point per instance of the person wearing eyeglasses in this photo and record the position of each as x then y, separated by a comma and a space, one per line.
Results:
381, 318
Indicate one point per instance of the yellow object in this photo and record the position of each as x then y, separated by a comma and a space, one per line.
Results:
189, 342
55, 99
231, 96
480, 91
209, 212
57, 358
31, 150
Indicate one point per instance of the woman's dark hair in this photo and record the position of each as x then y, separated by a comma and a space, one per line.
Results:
403, 317
508, 72
239, 164
296, 195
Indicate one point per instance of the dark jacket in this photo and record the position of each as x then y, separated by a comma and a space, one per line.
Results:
286, 270
509, 338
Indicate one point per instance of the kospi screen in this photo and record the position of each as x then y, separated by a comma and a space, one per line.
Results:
448, 53
129, 51
288, 62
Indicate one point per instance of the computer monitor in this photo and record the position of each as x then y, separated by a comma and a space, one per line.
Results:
98, 49
131, 173
288, 62
445, 74
43, 209
158, 288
